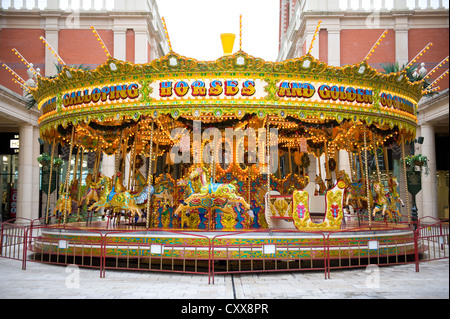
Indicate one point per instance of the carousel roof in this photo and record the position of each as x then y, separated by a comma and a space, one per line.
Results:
299, 95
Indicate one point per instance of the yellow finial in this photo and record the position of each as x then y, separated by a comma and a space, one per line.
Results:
227, 42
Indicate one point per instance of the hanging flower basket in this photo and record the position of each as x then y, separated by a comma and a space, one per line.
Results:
44, 159
418, 160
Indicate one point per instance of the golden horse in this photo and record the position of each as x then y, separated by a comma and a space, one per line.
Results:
114, 197
380, 200
64, 204
320, 187
393, 198
355, 192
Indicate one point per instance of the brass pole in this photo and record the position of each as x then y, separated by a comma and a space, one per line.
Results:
66, 193
149, 175
406, 181
50, 180
367, 179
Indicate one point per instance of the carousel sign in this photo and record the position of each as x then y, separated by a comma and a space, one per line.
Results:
224, 89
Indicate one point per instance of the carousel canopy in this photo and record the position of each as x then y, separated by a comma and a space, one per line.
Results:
306, 98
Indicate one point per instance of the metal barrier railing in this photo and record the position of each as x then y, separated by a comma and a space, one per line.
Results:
12, 238
212, 254
157, 253
269, 255
62, 248
355, 252
432, 237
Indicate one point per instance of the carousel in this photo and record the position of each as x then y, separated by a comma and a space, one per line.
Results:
238, 144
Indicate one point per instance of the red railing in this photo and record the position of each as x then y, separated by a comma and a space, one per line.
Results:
159, 250
12, 237
268, 254
353, 250
432, 238
62, 248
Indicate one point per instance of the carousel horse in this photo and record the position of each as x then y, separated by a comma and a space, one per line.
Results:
380, 201
164, 191
393, 198
211, 195
320, 187
355, 192
66, 200
64, 203
114, 196
142, 190
91, 194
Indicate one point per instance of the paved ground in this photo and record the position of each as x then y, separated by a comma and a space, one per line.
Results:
393, 282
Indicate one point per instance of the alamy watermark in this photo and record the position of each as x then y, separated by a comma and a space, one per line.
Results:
73, 279
373, 277
212, 145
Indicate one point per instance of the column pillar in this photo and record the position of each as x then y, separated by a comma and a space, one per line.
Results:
36, 171
25, 183
334, 47
120, 49
52, 37
429, 183
141, 46
401, 40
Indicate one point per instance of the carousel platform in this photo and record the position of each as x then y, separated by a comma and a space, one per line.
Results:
253, 250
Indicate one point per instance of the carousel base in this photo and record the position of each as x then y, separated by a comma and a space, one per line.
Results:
253, 250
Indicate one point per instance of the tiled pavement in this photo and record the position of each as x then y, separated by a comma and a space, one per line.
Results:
392, 282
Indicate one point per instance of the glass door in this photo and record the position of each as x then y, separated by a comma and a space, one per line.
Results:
9, 164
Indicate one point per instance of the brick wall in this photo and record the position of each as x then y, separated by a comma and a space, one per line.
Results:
355, 44
27, 42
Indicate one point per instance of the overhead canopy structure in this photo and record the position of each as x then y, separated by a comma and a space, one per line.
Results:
305, 97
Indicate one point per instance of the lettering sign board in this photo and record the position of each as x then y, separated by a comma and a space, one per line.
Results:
9, 143
231, 86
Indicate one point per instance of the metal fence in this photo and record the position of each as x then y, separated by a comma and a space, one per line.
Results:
211, 254
158, 252
432, 238
269, 255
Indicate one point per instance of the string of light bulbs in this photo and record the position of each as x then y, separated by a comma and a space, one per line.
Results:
314, 36
56, 55
167, 34
438, 79
240, 32
25, 62
372, 50
427, 47
99, 39
17, 78
436, 68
